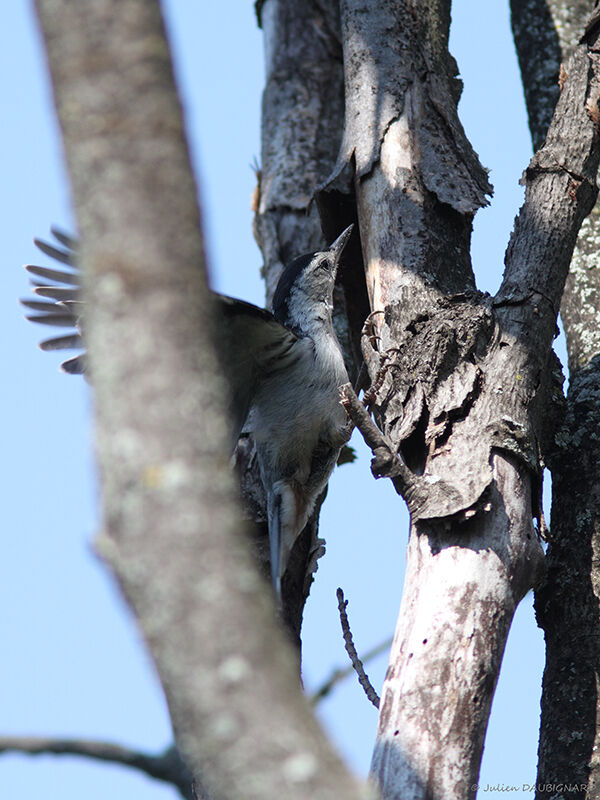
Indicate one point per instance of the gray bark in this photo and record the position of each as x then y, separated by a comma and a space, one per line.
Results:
302, 127
302, 124
167, 766
567, 603
173, 534
302, 113
465, 383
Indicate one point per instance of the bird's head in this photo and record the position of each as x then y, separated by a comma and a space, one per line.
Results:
304, 294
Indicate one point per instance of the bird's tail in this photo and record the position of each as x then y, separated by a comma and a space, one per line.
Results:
275, 544
287, 517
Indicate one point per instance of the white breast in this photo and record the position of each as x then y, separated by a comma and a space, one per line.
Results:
299, 407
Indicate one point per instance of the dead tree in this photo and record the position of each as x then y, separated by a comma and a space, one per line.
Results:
463, 386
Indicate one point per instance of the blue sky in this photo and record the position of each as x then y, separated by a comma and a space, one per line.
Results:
73, 664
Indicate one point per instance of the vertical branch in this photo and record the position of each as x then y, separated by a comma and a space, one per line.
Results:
568, 602
539, 55
471, 554
302, 119
418, 182
468, 385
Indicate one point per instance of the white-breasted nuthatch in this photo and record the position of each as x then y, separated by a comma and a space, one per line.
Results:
285, 368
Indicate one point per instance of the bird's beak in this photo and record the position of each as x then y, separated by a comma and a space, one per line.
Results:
337, 247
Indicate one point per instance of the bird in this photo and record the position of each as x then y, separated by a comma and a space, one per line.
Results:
285, 368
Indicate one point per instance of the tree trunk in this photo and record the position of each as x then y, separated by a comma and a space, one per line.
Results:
567, 603
461, 589
302, 124
464, 383
173, 534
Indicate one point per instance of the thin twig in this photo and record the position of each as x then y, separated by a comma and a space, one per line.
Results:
167, 766
341, 673
361, 418
386, 463
351, 650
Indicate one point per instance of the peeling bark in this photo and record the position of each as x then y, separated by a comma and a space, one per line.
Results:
461, 589
464, 383
418, 182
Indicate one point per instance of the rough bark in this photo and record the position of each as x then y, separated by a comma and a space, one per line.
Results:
464, 383
461, 589
302, 110
173, 534
302, 123
539, 56
567, 603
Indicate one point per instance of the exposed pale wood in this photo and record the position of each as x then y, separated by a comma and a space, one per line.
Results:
462, 586
467, 394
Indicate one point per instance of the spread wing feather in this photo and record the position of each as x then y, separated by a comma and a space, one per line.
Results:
61, 286
254, 344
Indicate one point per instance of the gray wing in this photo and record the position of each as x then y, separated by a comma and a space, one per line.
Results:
59, 304
254, 345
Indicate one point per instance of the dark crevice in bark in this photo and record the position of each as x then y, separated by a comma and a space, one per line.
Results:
337, 210
413, 449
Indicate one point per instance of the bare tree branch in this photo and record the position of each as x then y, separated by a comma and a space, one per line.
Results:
167, 766
567, 602
357, 664
560, 191
385, 461
464, 409
467, 400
